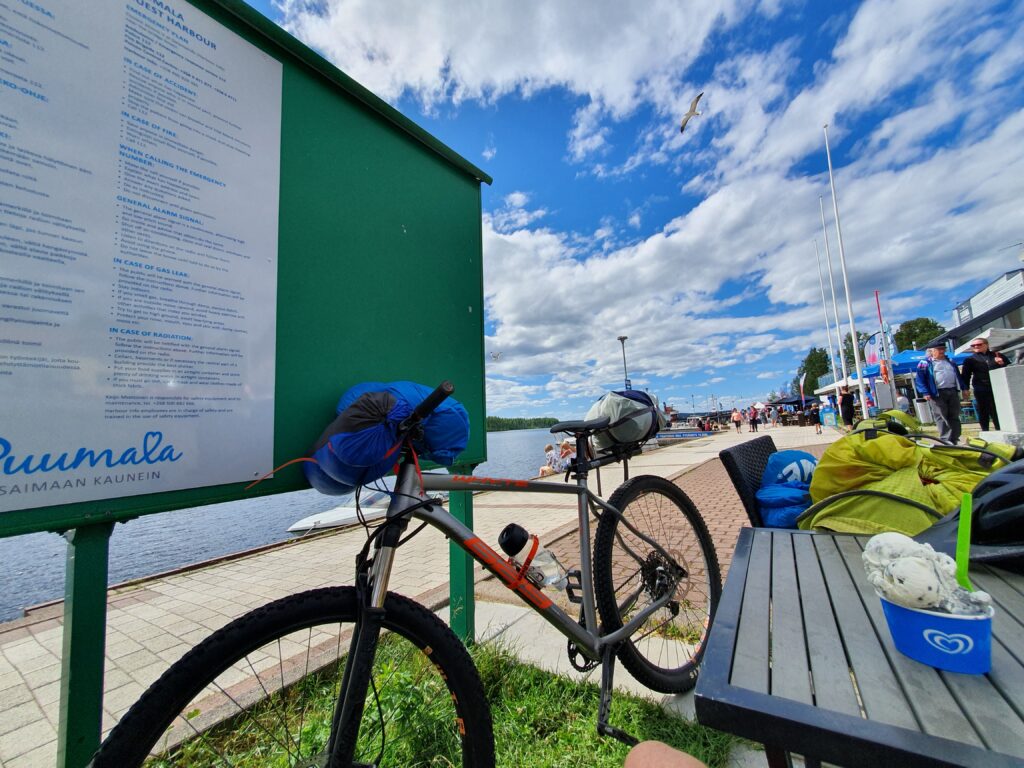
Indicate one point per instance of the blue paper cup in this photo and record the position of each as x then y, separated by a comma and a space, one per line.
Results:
942, 640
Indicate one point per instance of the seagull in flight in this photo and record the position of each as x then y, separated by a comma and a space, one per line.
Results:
692, 113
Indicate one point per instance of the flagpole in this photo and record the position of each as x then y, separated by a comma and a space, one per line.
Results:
846, 282
832, 285
886, 355
824, 310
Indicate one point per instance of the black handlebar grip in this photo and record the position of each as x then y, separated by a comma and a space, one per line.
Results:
434, 399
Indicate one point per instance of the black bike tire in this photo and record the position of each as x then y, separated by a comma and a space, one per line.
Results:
662, 680
130, 741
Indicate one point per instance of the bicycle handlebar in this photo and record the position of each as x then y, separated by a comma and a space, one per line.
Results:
427, 406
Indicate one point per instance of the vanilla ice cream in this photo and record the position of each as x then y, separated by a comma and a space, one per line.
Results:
914, 575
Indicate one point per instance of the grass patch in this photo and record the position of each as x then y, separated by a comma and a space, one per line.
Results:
541, 719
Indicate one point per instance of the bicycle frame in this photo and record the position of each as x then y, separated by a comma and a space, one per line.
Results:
409, 493
410, 501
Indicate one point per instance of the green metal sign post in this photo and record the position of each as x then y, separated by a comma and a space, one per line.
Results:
462, 605
85, 615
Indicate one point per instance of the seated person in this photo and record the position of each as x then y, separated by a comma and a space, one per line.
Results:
551, 461
566, 453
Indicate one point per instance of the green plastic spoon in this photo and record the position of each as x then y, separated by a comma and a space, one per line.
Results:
963, 543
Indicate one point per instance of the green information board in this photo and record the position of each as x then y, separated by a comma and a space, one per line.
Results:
379, 273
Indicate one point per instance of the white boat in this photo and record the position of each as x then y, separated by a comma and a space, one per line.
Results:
373, 505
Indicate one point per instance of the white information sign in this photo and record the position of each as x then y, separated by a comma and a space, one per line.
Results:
139, 171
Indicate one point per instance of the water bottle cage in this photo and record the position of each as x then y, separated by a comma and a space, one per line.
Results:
525, 568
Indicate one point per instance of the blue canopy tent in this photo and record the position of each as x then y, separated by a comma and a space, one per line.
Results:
906, 362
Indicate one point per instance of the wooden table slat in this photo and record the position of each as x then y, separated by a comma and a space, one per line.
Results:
999, 725
833, 687
1014, 580
911, 715
933, 704
1007, 676
1005, 626
750, 659
790, 672
880, 691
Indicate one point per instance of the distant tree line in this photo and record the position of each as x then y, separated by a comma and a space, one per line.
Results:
499, 424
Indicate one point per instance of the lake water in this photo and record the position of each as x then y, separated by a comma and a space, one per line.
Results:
32, 566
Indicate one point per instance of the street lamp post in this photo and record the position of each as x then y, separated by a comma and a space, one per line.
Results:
625, 373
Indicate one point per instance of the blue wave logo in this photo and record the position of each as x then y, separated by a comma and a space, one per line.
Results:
153, 450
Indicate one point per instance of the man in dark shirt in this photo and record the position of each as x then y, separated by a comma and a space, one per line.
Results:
975, 371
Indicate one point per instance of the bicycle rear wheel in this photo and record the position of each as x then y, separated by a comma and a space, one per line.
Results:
262, 691
629, 575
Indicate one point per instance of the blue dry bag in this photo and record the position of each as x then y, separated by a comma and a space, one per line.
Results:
361, 444
784, 491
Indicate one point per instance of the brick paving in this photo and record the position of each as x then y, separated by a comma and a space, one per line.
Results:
710, 489
152, 623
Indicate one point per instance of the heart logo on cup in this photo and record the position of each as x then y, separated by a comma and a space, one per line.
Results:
953, 644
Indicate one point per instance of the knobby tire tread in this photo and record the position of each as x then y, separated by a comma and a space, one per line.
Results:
663, 681
129, 743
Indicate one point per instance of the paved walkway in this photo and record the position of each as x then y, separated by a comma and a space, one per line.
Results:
153, 622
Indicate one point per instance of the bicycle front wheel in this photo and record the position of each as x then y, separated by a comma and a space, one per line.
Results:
629, 575
261, 691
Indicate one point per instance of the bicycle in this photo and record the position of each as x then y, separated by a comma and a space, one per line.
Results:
409, 693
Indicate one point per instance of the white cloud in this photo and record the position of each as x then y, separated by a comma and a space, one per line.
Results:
603, 50
489, 151
730, 282
514, 215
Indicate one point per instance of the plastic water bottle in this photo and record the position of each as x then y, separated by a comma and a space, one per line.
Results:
545, 570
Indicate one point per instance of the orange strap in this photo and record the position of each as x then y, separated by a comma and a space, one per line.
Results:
521, 575
271, 472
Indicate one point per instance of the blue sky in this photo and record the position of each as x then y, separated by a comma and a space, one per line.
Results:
700, 246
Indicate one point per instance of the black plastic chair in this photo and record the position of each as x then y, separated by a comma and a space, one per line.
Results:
745, 464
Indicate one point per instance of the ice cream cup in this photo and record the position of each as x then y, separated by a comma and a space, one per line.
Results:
942, 640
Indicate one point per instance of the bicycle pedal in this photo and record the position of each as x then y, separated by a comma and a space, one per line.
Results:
574, 586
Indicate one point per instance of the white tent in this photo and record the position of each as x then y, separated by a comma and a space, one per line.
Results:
835, 386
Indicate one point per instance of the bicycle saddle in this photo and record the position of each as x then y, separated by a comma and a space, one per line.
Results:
581, 427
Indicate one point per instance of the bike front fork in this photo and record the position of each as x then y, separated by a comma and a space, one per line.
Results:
371, 590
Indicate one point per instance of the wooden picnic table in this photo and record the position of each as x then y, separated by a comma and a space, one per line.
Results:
800, 659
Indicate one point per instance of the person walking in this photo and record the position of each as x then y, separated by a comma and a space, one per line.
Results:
737, 419
938, 381
975, 373
846, 408
754, 419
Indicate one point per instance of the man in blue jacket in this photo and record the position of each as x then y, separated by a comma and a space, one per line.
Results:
938, 381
